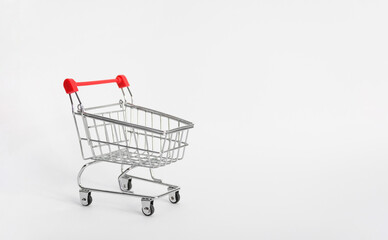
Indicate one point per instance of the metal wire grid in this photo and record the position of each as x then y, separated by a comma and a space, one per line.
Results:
134, 135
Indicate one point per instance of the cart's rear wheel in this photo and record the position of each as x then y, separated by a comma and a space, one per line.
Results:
125, 183
175, 197
86, 200
128, 186
148, 211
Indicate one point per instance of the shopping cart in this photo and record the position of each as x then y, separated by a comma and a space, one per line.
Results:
129, 135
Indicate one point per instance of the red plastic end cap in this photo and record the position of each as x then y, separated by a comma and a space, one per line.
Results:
70, 86
122, 81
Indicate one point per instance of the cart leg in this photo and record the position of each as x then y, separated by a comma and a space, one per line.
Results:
153, 178
82, 170
147, 206
85, 197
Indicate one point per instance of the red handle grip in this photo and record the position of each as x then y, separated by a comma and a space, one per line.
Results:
71, 86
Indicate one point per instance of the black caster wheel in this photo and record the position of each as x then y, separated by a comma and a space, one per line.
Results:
148, 210
86, 199
175, 197
129, 185
125, 183
90, 199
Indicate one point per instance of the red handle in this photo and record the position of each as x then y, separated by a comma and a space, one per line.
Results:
71, 86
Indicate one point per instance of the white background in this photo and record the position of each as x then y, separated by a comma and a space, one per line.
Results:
289, 101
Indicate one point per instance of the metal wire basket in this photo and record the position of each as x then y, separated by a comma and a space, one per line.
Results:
134, 135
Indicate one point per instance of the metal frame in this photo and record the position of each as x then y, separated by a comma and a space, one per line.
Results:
114, 137
172, 188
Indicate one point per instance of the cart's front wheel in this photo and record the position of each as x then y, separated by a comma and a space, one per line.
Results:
174, 198
149, 210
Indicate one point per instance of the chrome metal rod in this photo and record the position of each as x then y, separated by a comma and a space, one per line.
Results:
158, 113
82, 170
110, 120
154, 178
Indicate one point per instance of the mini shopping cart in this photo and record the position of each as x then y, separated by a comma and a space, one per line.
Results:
129, 135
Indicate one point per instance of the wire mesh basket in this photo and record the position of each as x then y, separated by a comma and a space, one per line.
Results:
129, 134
